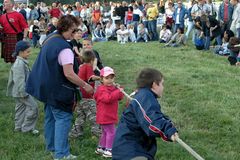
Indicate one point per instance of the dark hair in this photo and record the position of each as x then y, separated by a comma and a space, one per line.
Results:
66, 22
147, 76
69, 7
229, 33
234, 41
181, 30
88, 55
131, 8
168, 27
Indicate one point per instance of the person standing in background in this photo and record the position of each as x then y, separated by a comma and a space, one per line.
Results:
225, 15
14, 28
235, 26
54, 82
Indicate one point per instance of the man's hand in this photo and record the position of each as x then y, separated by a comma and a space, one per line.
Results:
174, 137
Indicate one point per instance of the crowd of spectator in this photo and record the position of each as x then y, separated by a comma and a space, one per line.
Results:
170, 22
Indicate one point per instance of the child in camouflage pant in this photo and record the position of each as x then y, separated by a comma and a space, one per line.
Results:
86, 109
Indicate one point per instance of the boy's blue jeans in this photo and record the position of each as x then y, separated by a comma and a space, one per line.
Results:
57, 126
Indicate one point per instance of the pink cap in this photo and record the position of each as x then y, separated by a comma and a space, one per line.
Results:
106, 71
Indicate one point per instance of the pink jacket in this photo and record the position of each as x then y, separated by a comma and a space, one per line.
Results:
107, 98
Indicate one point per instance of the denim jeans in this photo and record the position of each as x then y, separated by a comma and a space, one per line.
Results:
190, 26
176, 26
238, 32
57, 126
152, 29
35, 40
219, 40
207, 43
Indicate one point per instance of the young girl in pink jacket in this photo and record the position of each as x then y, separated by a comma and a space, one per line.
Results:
107, 96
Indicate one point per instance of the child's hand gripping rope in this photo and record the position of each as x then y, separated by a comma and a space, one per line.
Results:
174, 137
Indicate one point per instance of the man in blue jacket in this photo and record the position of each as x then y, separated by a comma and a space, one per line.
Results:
225, 15
143, 121
179, 15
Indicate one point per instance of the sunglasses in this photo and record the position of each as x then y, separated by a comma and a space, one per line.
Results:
75, 30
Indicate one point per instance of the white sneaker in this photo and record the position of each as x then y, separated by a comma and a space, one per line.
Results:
146, 41
99, 150
70, 156
35, 132
107, 154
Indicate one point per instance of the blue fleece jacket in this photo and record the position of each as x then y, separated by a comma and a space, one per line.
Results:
139, 126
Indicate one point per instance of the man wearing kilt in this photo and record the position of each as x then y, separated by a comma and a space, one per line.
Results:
15, 28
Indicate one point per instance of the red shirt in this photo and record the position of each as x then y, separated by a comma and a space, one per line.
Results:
16, 19
129, 15
55, 12
225, 14
85, 73
96, 15
107, 98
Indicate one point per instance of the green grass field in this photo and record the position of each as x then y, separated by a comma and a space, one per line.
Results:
201, 95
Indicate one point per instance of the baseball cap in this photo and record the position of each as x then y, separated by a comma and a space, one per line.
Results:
106, 71
21, 46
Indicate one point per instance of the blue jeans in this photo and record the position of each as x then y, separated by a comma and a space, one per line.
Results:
176, 26
219, 40
238, 32
35, 39
57, 126
207, 43
152, 29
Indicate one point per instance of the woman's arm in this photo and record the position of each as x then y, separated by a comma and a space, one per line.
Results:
73, 77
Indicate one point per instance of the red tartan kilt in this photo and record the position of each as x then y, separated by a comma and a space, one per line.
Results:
8, 47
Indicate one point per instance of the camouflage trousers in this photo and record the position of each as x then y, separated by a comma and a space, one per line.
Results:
86, 110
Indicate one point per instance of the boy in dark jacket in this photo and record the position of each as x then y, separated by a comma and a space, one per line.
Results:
143, 121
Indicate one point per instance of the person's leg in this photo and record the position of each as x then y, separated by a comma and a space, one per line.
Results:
154, 30
217, 50
238, 33
77, 129
219, 40
139, 158
49, 128
145, 37
102, 140
145, 23
207, 43
110, 134
62, 127
195, 34
31, 114
125, 38
138, 38
19, 114
150, 30
232, 60
91, 115
189, 29
34, 40
119, 38
176, 26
